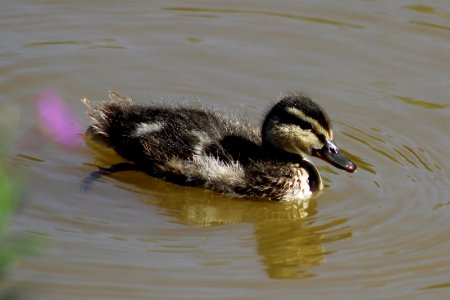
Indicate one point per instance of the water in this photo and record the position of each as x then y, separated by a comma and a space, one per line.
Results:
380, 69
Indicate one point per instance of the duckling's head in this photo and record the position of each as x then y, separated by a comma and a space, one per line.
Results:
297, 124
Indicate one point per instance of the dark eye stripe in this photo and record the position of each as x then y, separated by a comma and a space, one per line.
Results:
290, 119
322, 138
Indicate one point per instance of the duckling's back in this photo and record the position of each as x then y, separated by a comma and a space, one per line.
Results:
182, 144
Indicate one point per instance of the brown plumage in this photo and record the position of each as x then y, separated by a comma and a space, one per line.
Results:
200, 147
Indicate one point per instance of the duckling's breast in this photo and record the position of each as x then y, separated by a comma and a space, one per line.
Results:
282, 181
297, 187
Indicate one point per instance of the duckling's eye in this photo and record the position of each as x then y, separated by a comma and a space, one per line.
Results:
332, 149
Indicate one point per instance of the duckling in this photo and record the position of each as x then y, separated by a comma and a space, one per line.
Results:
201, 147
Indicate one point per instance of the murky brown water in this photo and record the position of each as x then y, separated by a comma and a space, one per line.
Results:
381, 69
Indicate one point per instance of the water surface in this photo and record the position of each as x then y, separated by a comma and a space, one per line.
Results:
380, 69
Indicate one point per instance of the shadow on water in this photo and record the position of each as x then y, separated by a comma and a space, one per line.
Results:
289, 240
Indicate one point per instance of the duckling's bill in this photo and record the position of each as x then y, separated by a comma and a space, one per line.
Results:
331, 154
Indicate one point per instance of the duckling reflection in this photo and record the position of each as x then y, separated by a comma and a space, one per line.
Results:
287, 243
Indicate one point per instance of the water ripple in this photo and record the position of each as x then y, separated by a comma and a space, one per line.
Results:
93, 43
421, 103
267, 13
429, 10
393, 149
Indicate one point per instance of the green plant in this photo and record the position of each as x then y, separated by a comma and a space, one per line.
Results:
8, 199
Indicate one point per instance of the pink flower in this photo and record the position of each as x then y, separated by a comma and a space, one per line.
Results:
56, 121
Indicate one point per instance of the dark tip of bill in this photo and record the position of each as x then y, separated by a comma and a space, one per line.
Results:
350, 167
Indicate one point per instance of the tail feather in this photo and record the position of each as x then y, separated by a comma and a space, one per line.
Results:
116, 97
105, 114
